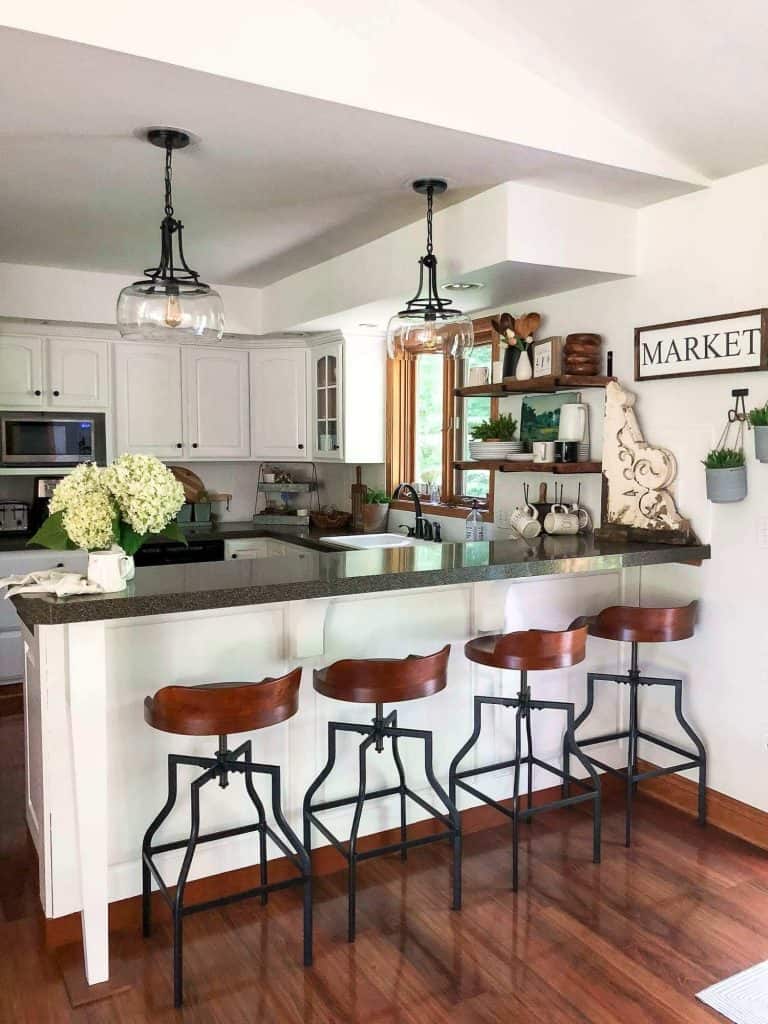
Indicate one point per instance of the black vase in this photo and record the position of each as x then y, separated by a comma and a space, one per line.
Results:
511, 357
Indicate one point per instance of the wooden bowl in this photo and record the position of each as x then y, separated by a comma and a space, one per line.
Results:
330, 520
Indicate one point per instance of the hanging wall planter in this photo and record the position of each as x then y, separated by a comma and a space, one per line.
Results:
758, 420
725, 466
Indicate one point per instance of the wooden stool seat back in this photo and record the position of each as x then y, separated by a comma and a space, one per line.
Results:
384, 680
217, 709
644, 625
530, 649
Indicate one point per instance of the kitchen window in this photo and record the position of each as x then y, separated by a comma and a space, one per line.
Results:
429, 430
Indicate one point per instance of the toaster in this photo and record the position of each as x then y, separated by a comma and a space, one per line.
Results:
14, 517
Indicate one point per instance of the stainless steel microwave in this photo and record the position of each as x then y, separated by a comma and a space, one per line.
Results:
46, 439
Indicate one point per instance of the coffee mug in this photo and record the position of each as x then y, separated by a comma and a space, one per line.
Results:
585, 520
109, 569
561, 520
524, 520
543, 451
566, 451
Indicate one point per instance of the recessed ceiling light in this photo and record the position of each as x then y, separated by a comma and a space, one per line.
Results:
367, 325
462, 286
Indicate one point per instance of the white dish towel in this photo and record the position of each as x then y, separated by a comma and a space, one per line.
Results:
60, 584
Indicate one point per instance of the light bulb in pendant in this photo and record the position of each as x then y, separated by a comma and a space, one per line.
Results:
428, 338
173, 314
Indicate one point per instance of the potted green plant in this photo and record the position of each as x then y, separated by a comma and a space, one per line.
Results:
494, 438
758, 418
726, 475
375, 511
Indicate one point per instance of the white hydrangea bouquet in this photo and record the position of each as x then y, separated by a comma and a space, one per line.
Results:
95, 508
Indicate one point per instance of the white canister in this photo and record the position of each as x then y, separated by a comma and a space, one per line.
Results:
110, 569
573, 422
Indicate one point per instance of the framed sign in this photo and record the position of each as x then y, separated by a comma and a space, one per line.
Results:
548, 356
731, 343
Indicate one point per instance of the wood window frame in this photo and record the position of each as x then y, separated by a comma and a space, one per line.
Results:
401, 428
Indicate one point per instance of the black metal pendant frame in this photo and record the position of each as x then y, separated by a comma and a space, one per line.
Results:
382, 727
170, 276
219, 768
524, 705
432, 306
633, 733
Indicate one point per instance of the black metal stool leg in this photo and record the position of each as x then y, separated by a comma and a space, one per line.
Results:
579, 721
146, 878
401, 776
453, 814
597, 819
529, 742
352, 873
631, 761
516, 799
247, 749
694, 737
329, 765
478, 711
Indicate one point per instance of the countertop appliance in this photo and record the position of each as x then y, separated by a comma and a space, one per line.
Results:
29, 439
169, 553
14, 517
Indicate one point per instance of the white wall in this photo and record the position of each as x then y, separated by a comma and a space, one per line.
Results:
701, 254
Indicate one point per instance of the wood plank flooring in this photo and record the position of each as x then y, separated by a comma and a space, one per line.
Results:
630, 941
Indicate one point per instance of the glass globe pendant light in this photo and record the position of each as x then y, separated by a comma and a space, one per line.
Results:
170, 303
429, 324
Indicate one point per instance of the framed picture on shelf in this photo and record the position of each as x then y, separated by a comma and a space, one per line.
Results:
540, 416
547, 356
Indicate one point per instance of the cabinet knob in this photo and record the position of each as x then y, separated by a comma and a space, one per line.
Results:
194, 444
56, 392
300, 447
38, 392
179, 445
234, 556
335, 447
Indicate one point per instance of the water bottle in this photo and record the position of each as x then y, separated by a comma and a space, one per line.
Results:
474, 528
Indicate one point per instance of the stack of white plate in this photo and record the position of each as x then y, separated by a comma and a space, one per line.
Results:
494, 449
583, 455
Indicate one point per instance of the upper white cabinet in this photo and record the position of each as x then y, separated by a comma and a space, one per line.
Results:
184, 403
279, 404
21, 372
348, 381
148, 418
215, 391
53, 373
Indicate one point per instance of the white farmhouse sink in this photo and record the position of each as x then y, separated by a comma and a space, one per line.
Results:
374, 540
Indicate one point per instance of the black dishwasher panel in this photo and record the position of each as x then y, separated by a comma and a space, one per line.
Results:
177, 554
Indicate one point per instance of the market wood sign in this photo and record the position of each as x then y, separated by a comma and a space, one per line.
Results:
731, 343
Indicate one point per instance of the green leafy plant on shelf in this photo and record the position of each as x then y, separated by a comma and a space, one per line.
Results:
503, 428
759, 417
724, 458
374, 497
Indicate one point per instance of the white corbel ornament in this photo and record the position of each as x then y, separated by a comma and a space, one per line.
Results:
637, 501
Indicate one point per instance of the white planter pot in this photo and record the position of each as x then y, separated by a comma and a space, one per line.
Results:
727, 485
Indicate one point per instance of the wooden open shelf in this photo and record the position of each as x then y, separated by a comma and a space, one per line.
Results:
535, 386
559, 468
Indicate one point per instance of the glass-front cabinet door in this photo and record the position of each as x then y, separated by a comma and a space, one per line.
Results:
327, 439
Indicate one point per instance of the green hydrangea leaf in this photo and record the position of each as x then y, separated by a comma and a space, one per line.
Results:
174, 532
130, 541
52, 534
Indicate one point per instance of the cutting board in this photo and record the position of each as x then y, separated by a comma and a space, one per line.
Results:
191, 482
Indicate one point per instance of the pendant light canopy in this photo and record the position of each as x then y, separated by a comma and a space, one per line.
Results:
170, 303
429, 324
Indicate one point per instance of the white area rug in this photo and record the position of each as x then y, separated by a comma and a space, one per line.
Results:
743, 998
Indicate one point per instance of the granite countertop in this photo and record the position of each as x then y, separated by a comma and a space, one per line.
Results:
308, 573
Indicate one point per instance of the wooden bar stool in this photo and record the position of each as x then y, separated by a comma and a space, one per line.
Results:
525, 651
380, 681
651, 626
217, 709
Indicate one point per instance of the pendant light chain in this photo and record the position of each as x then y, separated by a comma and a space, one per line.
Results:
168, 175
430, 193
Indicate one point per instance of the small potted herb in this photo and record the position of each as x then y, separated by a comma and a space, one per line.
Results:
758, 418
726, 475
375, 511
494, 438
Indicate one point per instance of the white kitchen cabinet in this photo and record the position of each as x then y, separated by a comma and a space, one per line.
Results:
53, 373
215, 397
348, 384
21, 372
279, 404
76, 374
148, 402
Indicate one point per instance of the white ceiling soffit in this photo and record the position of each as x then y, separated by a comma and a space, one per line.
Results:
450, 63
689, 76
516, 240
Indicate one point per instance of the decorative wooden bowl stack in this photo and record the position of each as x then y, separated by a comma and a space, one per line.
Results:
582, 356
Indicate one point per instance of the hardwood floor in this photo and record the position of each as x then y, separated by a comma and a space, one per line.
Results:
630, 941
